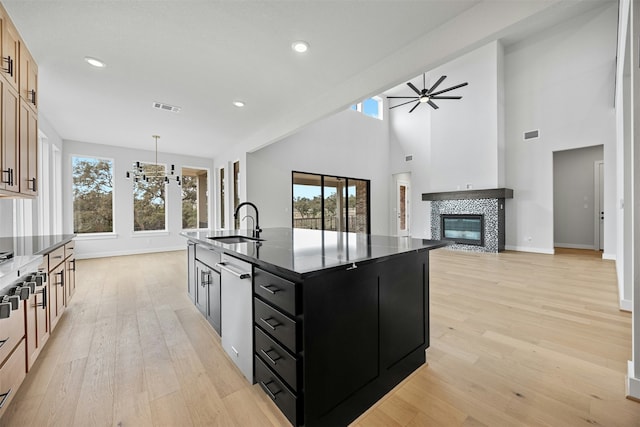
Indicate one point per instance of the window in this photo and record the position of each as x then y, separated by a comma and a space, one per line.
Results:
334, 203
236, 191
221, 197
149, 211
92, 195
195, 198
371, 107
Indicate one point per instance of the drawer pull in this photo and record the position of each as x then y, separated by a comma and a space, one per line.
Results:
266, 322
57, 257
272, 360
43, 304
272, 289
7, 339
5, 396
271, 394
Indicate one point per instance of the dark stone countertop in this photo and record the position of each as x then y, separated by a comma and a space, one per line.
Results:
302, 253
34, 245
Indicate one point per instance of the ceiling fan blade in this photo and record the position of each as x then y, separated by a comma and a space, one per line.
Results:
404, 103
435, 107
436, 84
445, 97
415, 106
415, 89
448, 89
400, 97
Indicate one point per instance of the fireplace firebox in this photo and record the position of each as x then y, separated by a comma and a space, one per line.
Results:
463, 228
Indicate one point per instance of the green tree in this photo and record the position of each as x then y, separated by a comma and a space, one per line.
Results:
189, 202
92, 195
149, 199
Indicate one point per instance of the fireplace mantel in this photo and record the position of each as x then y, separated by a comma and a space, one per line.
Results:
492, 193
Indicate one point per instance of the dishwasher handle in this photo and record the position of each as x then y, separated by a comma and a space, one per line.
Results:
239, 274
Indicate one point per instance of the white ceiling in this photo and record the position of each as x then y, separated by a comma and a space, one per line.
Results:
202, 55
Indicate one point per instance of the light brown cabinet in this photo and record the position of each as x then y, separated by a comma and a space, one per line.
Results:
70, 267
19, 115
37, 318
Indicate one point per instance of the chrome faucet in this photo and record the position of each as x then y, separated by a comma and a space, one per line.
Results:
255, 208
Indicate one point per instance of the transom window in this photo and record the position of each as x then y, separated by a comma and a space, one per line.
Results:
371, 107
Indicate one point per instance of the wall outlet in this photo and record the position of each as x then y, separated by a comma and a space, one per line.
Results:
469, 186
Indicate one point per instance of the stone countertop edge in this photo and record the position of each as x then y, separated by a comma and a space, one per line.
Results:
197, 237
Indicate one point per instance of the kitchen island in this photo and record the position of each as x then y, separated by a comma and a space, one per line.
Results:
333, 321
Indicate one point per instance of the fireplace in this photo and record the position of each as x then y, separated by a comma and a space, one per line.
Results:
464, 229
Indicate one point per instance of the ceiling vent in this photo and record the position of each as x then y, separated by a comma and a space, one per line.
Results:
532, 134
166, 107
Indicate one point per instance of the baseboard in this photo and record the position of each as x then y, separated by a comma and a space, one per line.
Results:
573, 246
529, 249
611, 257
626, 305
633, 384
129, 252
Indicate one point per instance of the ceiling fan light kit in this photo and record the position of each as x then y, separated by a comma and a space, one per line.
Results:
427, 95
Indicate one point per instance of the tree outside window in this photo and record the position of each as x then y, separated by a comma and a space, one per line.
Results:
149, 200
92, 195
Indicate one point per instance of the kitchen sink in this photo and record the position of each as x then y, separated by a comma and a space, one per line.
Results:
230, 240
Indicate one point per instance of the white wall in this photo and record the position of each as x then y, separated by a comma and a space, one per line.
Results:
124, 240
574, 201
458, 144
346, 144
561, 82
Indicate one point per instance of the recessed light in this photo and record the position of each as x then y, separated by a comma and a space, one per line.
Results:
300, 46
238, 104
95, 62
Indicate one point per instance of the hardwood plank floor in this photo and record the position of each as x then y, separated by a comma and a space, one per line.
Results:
516, 339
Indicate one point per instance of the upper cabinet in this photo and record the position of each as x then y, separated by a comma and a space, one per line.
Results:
18, 115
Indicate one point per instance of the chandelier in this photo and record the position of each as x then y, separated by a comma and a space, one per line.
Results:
145, 171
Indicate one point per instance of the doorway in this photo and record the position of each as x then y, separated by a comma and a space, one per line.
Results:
598, 189
402, 208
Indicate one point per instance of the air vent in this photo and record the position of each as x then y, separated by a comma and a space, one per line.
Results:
408, 158
532, 134
166, 107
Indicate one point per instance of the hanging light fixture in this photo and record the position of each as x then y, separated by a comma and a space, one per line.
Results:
146, 172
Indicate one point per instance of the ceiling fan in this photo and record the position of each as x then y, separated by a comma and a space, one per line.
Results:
427, 95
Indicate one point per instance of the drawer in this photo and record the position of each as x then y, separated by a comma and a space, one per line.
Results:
208, 257
12, 374
69, 249
276, 290
56, 257
11, 331
276, 324
286, 401
277, 358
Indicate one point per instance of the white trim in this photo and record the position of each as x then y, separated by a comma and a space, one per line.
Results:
96, 236
626, 305
530, 249
150, 233
128, 252
633, 384
573, 246
611, 257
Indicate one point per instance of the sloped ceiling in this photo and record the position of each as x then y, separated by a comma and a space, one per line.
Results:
203, 55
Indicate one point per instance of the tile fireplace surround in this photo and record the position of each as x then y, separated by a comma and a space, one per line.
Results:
490, 203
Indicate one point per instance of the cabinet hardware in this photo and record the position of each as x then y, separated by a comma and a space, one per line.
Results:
271, 394
272, 360
270, 289
43, 304
5, 396
8, 172
32, 94
241, 275
61, 273
33, 187
266, 322
9, 61
73, 261
3, 341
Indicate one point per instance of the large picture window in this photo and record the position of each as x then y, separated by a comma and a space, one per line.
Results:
149, 212
195, 198
325, 202
92, 195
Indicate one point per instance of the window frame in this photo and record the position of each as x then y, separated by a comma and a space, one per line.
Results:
359, 107
102, 234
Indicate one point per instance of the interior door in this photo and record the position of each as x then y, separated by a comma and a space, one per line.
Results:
598, 181
402, 208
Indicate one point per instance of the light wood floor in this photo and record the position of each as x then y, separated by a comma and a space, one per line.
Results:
516, 339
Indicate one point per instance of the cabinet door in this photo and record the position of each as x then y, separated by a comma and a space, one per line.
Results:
201, 291
191, 271
70, 283
10, 47
57, 285
28, 78
237, 313
214, 300
28, 150
10, 122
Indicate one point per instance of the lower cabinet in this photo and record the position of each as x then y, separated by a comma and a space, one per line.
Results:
12, 373
37, 319
56, 287
207, 293
236, 313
